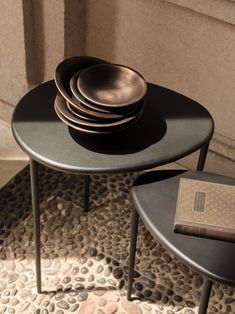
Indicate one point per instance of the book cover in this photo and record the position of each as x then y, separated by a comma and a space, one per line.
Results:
205, 209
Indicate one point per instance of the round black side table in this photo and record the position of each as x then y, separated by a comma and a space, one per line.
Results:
171, 126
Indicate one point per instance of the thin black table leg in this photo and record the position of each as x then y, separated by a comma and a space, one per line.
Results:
36, 215
134, 231
207, 286
86, 192
202, 157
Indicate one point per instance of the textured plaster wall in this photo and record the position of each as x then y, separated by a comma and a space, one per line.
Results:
188, 46
220, 9
31, 44
44, 38
172, 46
13, 83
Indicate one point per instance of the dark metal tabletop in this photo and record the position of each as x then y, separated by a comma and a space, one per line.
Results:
155, 197
171, 126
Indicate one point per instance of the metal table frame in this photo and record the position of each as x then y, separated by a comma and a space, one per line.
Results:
36, 213
168, 117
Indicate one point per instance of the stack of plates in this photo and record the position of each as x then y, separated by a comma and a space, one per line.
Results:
97, 97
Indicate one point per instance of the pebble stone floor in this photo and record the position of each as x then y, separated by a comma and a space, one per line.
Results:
85, 255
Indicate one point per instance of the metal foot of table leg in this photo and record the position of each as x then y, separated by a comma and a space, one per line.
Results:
36, 215
205, 296
86, 192
134, 231
202, 157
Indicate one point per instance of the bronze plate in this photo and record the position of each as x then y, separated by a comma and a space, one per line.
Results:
66, 68
111, 85
115, 112
83, 110
94, 131
76, 93
74, 126
60, 105
80, 115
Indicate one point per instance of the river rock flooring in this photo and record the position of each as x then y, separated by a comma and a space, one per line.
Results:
85, 255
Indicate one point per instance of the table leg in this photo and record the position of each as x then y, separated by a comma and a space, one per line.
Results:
205, 296
86, 192
36, 215
202, 157
134, 231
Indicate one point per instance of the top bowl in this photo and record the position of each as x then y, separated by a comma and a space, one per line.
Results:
111, 85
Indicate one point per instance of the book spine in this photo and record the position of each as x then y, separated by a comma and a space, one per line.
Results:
204, 232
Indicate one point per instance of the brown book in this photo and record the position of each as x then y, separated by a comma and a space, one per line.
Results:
205, 209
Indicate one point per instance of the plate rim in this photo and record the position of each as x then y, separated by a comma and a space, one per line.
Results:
60, 101
93, 132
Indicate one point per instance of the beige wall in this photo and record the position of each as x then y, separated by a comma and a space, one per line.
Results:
172, 46
13, 83
188, 46
182, 48
31, 44
44, 38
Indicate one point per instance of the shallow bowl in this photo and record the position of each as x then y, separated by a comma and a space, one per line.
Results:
111, 85
66, 68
